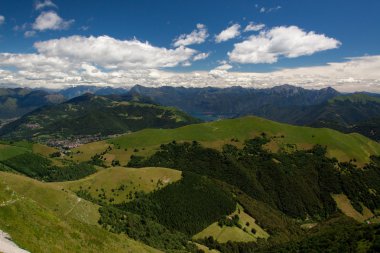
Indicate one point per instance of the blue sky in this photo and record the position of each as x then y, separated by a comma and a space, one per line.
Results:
297, 39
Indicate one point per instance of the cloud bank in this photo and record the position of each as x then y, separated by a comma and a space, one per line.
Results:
107, 61
57, 71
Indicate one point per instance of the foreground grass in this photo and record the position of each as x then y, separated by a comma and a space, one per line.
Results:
42, 218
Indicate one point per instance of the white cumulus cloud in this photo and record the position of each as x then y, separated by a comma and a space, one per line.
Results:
2, 19
29, 34
197, 36
36, 70
254, 27
45, 4
112, 53
229, 33
280, 41
50, 20
200, 56
220, 71
268, 9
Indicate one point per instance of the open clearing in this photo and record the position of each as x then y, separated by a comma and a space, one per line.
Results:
235, 234
121, 183
345, 206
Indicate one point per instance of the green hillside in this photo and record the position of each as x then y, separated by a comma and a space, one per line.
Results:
214, 134
92, 116
356, 98
121, 184
353, 113
41, 217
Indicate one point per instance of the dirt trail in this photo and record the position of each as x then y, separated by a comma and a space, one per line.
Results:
78, 201
7, 246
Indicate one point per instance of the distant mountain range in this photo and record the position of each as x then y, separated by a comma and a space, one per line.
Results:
213, 103
94, 115
357, 112
15, 102
18, 101
76, 91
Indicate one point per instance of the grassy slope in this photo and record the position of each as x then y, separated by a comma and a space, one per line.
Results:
344, 205
342, 146
9, 150
144, 179
41, 217
225, 234
356, 98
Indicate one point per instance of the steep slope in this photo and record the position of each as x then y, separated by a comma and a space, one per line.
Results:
93, 115
69, 223
18, 101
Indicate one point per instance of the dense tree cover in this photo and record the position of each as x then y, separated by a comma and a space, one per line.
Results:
299, 183
143, 229
229, 247
167, 218
280, 227
229, 221
41, 168
188, 206
339, 234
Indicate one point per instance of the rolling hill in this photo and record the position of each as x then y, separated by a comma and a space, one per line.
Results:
91, 115
214, 167
214, 134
